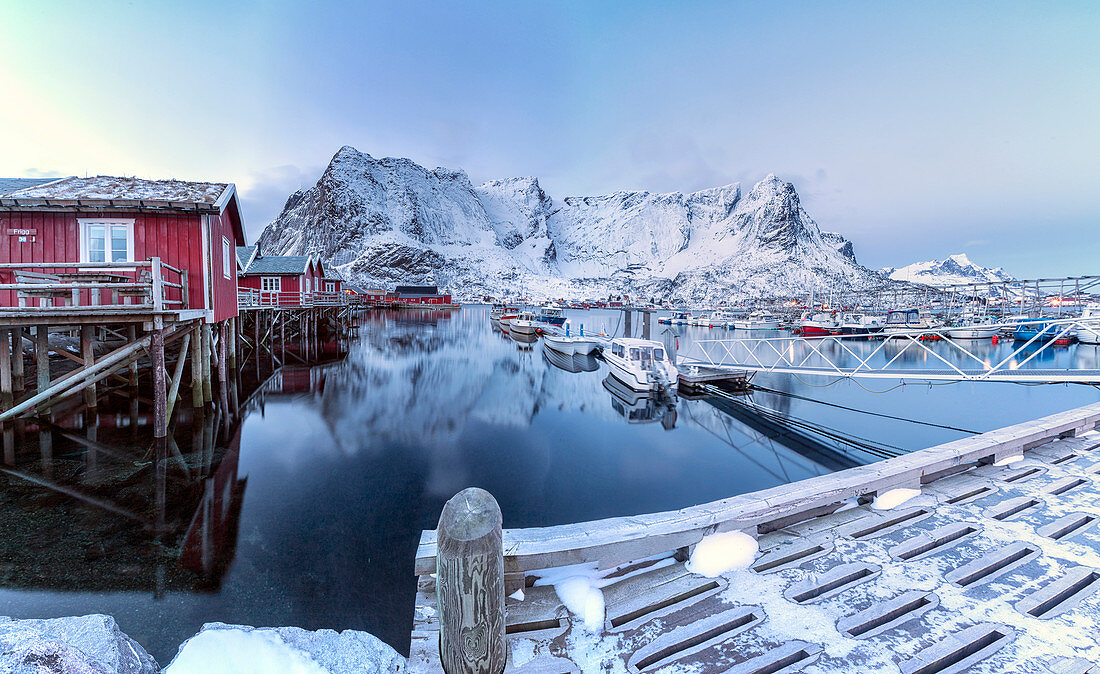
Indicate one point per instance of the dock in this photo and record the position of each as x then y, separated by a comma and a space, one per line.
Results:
993, 561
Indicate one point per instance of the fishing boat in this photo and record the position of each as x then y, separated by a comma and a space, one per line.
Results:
905, 321
702, 320
722, 319
817, 324
525, 323
1090, 334
977, 328
641, 364
758, 320
860, 324
552, 315
677, 318
1046, 331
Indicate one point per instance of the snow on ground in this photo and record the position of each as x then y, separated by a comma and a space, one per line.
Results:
721, 553
237, 652
893, 498
1008, 460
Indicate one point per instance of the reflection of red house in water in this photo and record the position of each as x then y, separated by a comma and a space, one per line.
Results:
211, 539
418, 295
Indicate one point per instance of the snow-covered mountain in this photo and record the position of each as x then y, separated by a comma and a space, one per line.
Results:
382, 221
955, 270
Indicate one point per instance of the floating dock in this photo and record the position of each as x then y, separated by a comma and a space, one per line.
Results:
994, 562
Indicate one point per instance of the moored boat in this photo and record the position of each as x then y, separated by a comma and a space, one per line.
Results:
980, 328
526, 323
641, 364
1090, 332
758, 320
817, 324
570, 345
552, 315
906, 321
1043, 330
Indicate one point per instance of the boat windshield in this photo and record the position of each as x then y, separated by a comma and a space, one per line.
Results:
658, 354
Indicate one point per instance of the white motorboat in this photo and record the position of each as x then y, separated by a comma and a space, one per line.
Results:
903, 321
758, 320
701, 321
570, 345
678, 318
641, 407
525, 323
978, 328
641, 364
1090, 333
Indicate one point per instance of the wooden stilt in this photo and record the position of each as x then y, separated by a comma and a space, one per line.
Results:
196, 368
282, 340
160, 386
207, 383
87, 352
45, 449
223, 375
42, 360
7, 397
231, 347
17, 361
177, 376
131, 335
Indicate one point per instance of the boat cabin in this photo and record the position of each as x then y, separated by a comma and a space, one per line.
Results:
124, 244
640, 351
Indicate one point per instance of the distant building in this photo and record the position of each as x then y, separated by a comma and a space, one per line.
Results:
284, 280
418, 295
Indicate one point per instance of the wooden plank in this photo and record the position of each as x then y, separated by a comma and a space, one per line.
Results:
87, 352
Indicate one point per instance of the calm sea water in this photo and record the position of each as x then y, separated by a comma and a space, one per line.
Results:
307, 510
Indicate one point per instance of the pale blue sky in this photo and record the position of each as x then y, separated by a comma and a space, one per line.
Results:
915, 129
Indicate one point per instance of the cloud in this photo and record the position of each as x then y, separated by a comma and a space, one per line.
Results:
265, 192
975, 243
42, 173
670, 163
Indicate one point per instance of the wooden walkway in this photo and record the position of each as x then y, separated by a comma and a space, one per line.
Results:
995, 567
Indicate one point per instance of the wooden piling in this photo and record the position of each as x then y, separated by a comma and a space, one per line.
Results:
131, 335
207, 355
470, 585
42, 360
627, 332
160, 385
197, 399
17, 360
7, 396
87, 352
231, 333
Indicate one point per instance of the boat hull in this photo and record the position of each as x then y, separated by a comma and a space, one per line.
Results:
522, 327
972, 333
755, 325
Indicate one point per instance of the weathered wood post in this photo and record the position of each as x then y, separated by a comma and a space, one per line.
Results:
17, 360
160, 384
42, 361
207, 357
627, 332
470, 584
7, 395
131, 336
197, 400
87, 353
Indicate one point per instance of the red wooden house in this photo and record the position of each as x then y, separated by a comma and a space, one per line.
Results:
191, 228
278, 280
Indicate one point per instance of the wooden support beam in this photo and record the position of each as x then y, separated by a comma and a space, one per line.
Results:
42, 360
197, 399
231, 347
87, 352
131, 334
7, 395
207, 376
223, 356
160, 388
18, 383
174, 389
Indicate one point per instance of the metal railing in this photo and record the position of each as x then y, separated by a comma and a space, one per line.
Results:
894, 355
251, 297
147, 285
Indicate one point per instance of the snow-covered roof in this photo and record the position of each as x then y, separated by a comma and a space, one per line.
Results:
333, 274
8, 185
278, 265
245, 255
121, 191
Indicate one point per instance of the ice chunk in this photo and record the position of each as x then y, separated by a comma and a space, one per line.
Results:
231, 651
719, 553
893, 498
1008, 460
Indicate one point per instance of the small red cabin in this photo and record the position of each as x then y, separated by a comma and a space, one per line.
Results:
192, 228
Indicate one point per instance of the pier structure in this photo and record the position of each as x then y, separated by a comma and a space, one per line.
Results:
982, 550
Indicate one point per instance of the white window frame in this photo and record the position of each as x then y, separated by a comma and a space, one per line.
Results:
85, 223
227, 258
330, 286
278, 283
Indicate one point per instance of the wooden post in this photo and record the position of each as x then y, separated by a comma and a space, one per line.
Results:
470, 584
627, 332
207, 377
185, 291
223, 379
177, 376
645, 323
42, 360
160, 385
231, 334
158, 285
7, 397
131, 334
17, 358
87, 352
196, 368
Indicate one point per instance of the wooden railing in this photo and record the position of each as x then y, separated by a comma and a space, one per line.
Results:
250, 297
622, 539
149, 285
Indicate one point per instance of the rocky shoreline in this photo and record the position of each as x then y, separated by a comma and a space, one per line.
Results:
94, 644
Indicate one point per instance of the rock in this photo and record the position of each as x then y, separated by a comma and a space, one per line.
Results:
219, 647
91, 644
